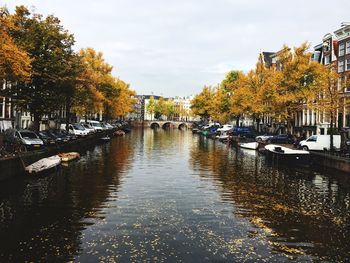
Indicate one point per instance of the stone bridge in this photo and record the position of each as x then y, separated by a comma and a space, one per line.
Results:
167, 124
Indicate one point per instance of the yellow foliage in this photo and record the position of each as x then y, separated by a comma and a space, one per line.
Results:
15, 63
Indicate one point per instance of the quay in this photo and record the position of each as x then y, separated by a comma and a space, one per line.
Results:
317, 159
14, 165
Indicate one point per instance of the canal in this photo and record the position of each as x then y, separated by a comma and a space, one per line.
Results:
158, 195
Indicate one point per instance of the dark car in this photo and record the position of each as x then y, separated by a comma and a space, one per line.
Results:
59, 137
26, 138
242, 132
68, 135
282, 138
47, 138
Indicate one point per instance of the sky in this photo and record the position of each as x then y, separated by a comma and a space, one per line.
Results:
174, 48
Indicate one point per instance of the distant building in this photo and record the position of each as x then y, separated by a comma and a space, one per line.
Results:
182, 108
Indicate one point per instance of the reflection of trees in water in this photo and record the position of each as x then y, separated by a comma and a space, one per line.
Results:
165, 141
297, 206
43, 218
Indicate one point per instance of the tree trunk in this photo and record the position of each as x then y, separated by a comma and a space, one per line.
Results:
36, 122
258, 125
237, 121
331, 133
68, 114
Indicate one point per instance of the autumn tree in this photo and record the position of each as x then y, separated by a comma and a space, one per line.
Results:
329, 99
48, 45
261, 86
95, 83
223, 95
123, 103
299, 82
169, 109
160, 108
151, 106
202, 103
15, 63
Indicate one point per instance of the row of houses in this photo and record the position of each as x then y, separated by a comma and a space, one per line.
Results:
182, 107
334, 49
12, 117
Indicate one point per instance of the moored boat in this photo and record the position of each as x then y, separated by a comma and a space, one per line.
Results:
105, 139
284, 154
249, 145
66, 157
119, 133
44, 164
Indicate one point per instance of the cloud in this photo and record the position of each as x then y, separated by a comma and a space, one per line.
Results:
175, 47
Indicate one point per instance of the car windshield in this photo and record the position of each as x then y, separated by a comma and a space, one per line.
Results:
312, 139
28, 135
78, 127
87, 126
96, 124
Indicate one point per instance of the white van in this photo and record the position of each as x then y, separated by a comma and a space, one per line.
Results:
77, 129
320, 142
96, 125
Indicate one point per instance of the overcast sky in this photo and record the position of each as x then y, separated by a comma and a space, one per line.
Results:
176, 47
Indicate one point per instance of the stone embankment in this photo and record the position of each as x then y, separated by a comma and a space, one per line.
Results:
317, 159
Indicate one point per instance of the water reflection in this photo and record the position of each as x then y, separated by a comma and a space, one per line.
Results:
158, 195
41, 219
299, 212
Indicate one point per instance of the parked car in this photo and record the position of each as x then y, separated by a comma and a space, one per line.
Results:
263, 138
24, 137
225, 128
320, 142
60, 137
88, 127
68, 135
77, 129
109, 126
47, 138
282, 138
96, 125
242, 131
103, 125
211, 125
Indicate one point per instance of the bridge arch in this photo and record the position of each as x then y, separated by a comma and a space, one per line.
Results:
155, 125
182, 126
166, 125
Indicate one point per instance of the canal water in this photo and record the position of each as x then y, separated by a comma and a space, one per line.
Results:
157, 195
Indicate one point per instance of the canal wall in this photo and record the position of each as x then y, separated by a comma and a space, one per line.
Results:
319, 159
330, 161
15, 165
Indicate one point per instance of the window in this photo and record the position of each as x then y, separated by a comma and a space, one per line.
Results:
341, 65
347, 47
312, 139
347, 120
1, 108
341, 49
348, 64
326, 46
327, 59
